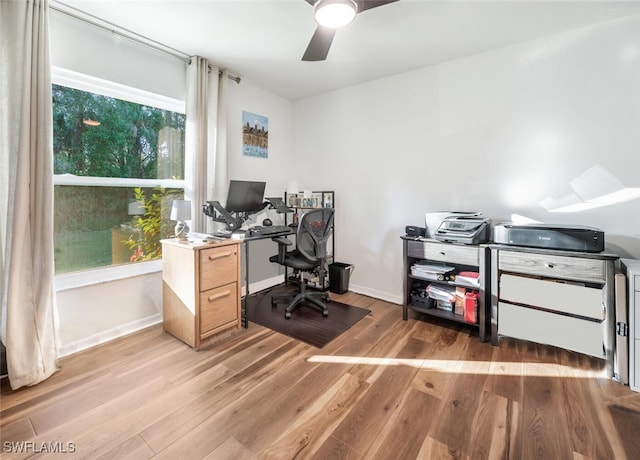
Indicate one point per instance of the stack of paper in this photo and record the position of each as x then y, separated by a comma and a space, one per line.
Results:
429, 271
444, 293
470, 278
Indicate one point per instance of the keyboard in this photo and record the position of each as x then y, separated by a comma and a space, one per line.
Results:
269, 230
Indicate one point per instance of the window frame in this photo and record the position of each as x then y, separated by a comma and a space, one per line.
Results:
75, 80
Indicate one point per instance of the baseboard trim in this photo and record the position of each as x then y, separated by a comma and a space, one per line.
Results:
265, 284
364, 290
109, 335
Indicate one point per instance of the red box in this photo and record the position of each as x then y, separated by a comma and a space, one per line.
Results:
471, 307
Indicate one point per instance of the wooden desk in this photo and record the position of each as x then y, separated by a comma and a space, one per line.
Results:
200, 288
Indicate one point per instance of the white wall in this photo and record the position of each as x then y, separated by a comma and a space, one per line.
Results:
277, 169
496, 132
97, 313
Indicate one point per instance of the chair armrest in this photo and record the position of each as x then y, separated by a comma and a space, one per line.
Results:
282, 247
282, 240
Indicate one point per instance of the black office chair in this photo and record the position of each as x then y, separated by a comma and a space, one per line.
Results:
314, 229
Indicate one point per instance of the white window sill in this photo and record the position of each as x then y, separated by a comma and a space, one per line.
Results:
105, 275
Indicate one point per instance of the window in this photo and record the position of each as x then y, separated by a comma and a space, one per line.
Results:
118, 165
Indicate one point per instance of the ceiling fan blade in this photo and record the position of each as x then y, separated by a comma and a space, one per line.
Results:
364, 5
319, 45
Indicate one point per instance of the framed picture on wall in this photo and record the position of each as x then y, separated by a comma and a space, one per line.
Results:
255, 135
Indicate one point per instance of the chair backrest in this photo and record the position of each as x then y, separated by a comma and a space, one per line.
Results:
314, 229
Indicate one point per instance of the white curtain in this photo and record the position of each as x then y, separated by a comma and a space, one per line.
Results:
26, 193
206, 171
218, 170
196, 139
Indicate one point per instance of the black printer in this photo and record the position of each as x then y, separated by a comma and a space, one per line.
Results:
550, 236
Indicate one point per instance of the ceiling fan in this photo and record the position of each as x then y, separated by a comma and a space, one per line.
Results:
331, 15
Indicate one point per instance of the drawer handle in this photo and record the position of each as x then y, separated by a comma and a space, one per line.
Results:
442, 253
220, 295
221, 255
549, 265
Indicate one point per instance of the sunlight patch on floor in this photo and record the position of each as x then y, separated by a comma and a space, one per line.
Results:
467, 367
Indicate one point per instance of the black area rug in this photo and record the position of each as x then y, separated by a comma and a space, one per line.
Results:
306, 324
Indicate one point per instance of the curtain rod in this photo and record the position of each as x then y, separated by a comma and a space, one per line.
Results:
235, 78
125, 33
116, 30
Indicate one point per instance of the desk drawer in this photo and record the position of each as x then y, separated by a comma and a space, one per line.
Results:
551, 295
218, 307
442, 252
218, 266
552, 329
551, 266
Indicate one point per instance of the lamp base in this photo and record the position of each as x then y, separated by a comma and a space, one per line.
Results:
181, 230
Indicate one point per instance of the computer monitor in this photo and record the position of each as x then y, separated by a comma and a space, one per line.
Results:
245, 196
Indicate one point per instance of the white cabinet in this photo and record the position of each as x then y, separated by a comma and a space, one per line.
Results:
632, 270
559, 298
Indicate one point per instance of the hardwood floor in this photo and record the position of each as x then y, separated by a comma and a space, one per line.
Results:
385, 389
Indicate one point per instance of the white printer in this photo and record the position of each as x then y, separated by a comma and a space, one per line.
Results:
464, 229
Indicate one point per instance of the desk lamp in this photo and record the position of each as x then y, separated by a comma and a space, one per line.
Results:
180, 212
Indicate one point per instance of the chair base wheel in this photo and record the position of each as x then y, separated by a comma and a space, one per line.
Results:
287, 315
325, 313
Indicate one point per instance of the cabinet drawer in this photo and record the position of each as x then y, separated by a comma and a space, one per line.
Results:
548, 328
218, 307
558, 296
551, 266
442, 252
218, 266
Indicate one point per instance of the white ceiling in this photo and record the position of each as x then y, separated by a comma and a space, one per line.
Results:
263, 40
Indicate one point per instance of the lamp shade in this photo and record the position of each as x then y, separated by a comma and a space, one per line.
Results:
181, 210
335, 13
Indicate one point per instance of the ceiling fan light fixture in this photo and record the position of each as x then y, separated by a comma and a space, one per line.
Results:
335, 13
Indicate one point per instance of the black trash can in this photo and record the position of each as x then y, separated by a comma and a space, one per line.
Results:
339, 274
